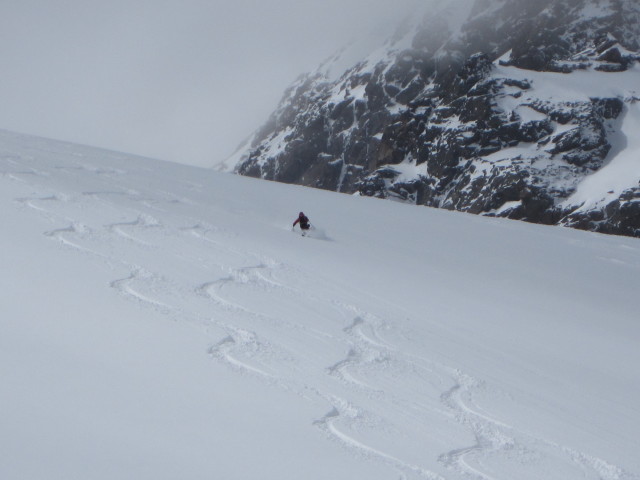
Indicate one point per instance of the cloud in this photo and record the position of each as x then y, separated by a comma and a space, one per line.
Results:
179, 80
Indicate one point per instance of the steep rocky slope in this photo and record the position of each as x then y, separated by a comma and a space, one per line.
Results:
526, 110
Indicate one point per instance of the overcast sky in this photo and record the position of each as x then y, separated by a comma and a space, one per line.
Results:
181, 80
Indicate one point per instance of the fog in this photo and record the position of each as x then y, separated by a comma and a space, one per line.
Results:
183, 80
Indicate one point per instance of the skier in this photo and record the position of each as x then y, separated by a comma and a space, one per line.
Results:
304, 223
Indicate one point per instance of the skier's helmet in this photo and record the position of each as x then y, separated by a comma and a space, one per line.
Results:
301, 214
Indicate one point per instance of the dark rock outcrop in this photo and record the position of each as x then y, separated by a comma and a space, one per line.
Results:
490, 116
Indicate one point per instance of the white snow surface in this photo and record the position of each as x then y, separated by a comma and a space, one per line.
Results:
160, 321
621, 172
577, 86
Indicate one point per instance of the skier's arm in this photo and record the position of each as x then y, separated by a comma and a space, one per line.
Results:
296, 222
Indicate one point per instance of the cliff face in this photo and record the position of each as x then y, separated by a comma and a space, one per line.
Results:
496, 107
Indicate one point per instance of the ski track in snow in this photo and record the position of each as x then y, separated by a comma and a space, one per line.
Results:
141, 223
75, 229
105, 194
368, 351
257, 276
245, 351
19, 169
126, 286
243, 342
490, 435
342, 411
252, 274
603, 469
32, 202
363, 353
495, 437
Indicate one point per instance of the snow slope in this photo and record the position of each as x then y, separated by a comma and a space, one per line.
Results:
160, 321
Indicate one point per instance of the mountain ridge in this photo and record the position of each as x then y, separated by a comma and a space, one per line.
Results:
494, 107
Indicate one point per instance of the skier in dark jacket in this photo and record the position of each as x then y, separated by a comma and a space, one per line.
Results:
303, 221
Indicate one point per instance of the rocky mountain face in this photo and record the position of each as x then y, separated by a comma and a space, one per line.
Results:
510, 108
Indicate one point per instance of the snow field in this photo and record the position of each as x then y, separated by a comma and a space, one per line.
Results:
162, 321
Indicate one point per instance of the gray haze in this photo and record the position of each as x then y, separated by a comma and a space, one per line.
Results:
182, 80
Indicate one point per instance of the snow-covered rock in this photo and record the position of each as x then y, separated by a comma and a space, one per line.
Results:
497, 107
